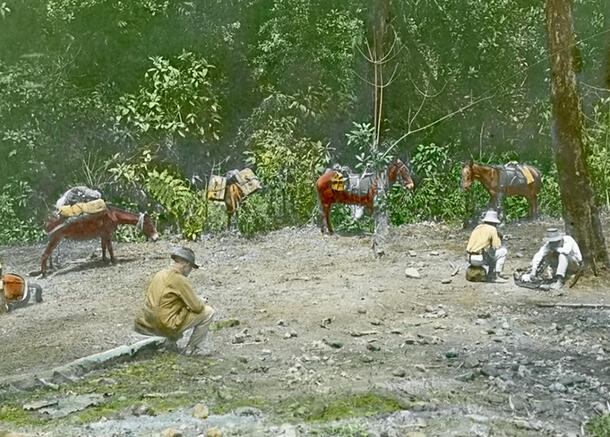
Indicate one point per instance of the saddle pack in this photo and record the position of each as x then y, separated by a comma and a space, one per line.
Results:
513, 173
80, 194
92, 207
16, 291
354, 183
247, 181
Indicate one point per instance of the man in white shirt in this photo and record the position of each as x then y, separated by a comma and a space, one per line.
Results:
562, 253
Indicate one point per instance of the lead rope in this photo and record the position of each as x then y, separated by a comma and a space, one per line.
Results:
140, 224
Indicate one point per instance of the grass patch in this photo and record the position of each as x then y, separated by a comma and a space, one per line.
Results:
599, 426
347, 430
359, 405
228, 323
227, 406
161, 384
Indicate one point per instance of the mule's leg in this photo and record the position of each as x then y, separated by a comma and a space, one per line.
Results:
110, 249
103, 248
229, 214
327, 215
322, 219
533, 207
52, 243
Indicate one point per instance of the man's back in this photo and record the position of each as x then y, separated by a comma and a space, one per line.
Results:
482, 238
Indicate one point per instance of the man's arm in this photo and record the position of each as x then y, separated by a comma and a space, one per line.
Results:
538, 257
190, 298
496, 240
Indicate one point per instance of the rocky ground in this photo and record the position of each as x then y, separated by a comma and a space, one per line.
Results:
327, 341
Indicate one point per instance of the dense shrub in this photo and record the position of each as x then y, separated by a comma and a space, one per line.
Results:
18, 225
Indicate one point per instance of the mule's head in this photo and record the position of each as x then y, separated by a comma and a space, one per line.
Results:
467, 175
400, 172
148, 227
52, 222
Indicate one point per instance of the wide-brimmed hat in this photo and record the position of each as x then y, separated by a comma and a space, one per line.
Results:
186, 254
552, 235
491, 216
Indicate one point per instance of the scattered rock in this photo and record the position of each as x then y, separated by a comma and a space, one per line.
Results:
465, 377
446, 281
519, 403
412, 253
415, 434
171, 432
239, 338
557, 387
412, 272
334, 344
213, 432
400, 372
247, 411
489, 370
471, 362
200, 412
373, 347
451, 353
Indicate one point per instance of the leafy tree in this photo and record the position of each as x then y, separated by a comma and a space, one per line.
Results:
177, 97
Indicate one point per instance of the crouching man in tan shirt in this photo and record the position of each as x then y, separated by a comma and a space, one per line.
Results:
171, 306
485, 247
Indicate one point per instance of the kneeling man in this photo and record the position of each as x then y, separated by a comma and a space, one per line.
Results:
562, 254
485, 247
171, 306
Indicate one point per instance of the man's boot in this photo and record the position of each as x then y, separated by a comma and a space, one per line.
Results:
558, 282
497, 278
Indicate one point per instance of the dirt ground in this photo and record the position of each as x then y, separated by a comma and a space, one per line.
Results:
321, 317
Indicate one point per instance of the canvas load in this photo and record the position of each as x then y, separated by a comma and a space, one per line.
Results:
92, 207
216, 188
249, 182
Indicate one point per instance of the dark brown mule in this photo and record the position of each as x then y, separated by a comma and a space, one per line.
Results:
233, 197
495, 181
395, 171
101, 225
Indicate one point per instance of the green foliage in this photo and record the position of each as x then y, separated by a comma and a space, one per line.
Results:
321, 32
260, 212
549, 196
437, 194
177, 97
181, 203
286, 163
597, 141
18, 226
342, 219
599, 426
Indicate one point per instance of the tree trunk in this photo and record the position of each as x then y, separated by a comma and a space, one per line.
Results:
580, 212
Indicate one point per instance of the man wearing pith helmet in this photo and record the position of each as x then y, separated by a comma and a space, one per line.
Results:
485, 247
171, 306
562, 253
